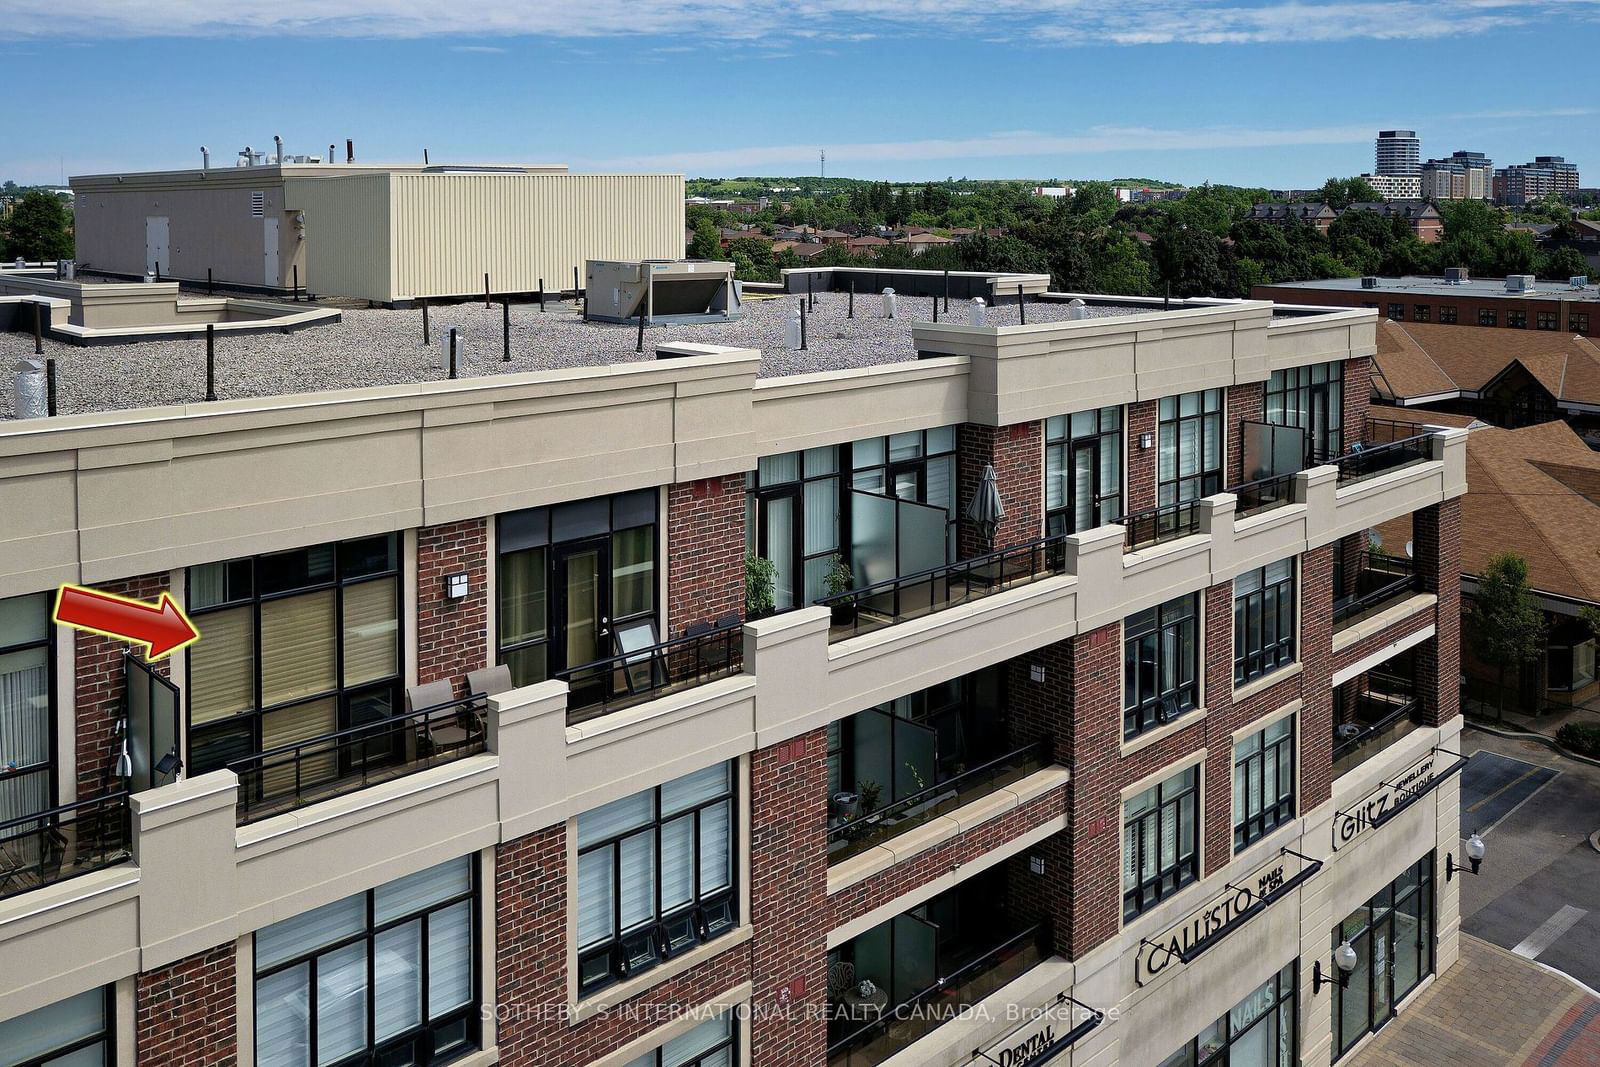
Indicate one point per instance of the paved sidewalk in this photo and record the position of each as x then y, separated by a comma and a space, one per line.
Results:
1493, 1009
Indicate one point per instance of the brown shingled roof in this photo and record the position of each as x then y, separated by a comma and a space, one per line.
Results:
1417, 359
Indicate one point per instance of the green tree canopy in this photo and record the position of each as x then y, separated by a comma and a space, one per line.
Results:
39, 227
1340, 193
1505, 625
707, 243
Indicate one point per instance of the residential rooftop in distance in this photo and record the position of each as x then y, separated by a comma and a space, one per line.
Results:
1543, 289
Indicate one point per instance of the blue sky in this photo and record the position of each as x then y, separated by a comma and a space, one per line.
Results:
1275, 94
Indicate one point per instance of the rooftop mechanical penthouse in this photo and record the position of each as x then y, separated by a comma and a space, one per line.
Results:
1016, 687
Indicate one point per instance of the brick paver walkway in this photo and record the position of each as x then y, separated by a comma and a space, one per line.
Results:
1492, 1009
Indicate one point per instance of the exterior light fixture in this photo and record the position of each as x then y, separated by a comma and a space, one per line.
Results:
1474, 850
455, 585
1344, 962
1147, 440
124, 762
169, 764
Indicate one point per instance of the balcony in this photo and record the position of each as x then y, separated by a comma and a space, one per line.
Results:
1366, 461
1157, 525
653, 671
64, 842
1380, 583
1372, 713
853, 831
912, 596
1263, 494
331, 765
865, 1030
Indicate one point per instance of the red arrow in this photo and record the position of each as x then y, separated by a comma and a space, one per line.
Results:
162, 628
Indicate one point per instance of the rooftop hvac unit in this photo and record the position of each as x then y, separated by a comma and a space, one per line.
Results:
1456, 275
1578, 281
1519, 283
661, 290
1369, 282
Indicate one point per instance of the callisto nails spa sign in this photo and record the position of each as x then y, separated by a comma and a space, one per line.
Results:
1238, 902
1377, 806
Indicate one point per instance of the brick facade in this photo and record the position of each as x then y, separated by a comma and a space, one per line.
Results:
452, 635
705, 551
1017, 453
1316, 657
1436, 541
185, 1014
1242, 404
1357, 399
100, 686
1142, 471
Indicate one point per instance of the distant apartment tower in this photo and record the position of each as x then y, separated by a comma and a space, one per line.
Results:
1395, 186
1524, 182
1460, 176
1399, 152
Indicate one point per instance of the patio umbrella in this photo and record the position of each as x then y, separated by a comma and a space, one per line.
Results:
985, 509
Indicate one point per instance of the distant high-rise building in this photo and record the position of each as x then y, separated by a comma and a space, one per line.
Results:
1399, 152
1461, 176
1395, 186
1525, 182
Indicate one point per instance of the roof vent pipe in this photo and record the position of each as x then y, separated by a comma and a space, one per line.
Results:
330, 153
889, 307
205, 158
349, 150
32, 398
1077, 309
248, 156
976, 313
277, 143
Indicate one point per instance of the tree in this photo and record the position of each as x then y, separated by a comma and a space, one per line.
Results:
1506, 626
707, 243
1340, 193
1565, 262
1189, 261
37, 228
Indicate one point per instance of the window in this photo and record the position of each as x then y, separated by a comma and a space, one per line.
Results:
1517, 320
1312, 399
1190, 464
918, 466
1397, 312
1571, 666
1082, 470
1160, 664
1263, 620
1392, 935
713, 1043
1160, 842
1421, 312
386, 976
793, 520
1263, 782
76, 1032
1488, 317
297, 645
1447, 314
1548, 320
27, 702
1578, 322
655, 875
569, 576
1260, 1031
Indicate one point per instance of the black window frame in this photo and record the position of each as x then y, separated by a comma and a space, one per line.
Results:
106, 1037
249, 569
51, 766
469, 1013
1421, 312
1516, 319
1286, 986
1208, 420
1397, 312
919, 465
1276, 809
1145, 893
1488, 317
1060, 443
1142, 711
1254, 656
760, 492
1547, 320
506, 651
1425, 884
1447, 314
1294, 392
709, 915
728, 1045
1578, 322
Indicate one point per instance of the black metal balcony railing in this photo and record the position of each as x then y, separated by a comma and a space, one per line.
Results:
1381, 580
1263, 494
1364, 461
621, 681
64, 842
1165, 523
859, 832
318, 768
1386, 719
897, 1027
922, 593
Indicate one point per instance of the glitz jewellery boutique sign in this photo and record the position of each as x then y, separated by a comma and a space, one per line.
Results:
1215, 919
1378, 805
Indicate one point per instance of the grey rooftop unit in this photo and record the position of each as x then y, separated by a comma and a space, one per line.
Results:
662, 290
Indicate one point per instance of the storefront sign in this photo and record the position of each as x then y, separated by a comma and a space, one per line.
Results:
1377, 806
1044, 1034
1216, 919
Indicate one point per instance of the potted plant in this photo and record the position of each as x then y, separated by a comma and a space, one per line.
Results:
870, 792
840, 579
846, 805
760, 582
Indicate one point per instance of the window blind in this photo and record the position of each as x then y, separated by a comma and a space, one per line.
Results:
417, 891
341, 1002
305, 933
450, 958
371, 621
297, 647
397, 980
283, 1025
222, 667
44, 1029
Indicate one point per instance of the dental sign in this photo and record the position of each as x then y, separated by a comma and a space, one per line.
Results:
1376, 805
1159, 953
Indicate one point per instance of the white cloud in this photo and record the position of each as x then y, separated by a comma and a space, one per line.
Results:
1059, 22
478, 48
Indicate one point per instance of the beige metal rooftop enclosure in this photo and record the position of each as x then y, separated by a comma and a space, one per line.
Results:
388, 234
661, 290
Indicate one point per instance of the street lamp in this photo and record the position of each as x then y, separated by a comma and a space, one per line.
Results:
1344, 961
1473, 849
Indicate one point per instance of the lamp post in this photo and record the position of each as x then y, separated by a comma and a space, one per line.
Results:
1344, 962
1473, 849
